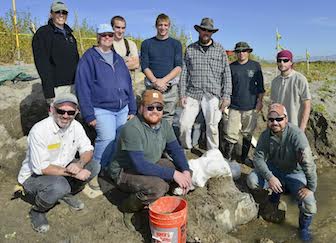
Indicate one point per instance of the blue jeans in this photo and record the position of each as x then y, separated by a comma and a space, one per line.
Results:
108, 122
46, 190
291, 182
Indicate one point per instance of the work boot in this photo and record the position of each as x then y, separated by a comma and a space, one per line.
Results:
38, 217
274, 210
73, 202
129, 206
93, 184
304, 223
245, 150
228, 149
39, 221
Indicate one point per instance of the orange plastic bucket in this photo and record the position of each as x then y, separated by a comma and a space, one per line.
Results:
168, 220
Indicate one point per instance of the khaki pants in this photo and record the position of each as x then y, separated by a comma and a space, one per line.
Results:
212, 116
244, 121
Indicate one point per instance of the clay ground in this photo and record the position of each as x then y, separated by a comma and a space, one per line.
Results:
101, 221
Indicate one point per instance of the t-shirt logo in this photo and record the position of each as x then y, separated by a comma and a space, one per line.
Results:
250, 73
155, 95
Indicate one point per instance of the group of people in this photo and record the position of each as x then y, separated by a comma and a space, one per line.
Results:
131, 140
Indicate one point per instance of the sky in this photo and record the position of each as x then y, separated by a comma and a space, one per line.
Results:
303, 25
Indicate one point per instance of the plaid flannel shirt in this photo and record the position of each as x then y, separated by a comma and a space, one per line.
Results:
206, 73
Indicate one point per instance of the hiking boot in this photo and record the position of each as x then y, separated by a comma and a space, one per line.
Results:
129, 206
73, 202
245, 149
93, 184
304, 223
228, 150
273, 212
39, 221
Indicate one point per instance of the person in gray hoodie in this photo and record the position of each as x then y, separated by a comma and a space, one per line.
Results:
283, 162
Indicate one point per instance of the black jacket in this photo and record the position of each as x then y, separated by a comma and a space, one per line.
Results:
56, 57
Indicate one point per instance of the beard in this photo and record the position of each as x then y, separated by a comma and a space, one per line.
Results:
153, 119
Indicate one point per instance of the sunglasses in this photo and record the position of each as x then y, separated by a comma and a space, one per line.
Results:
106, 34
151, 107
62, 112
244, 50
282, 60
278, 119
206, 30
61, 12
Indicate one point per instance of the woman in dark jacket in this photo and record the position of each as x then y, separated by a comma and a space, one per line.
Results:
55, 53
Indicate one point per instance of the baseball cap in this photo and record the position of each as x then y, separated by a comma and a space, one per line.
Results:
285, 54
152, 96
58, 6
66, 97
104, 28
277, 108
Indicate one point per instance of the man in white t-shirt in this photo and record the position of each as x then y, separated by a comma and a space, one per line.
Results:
291, 89
127, 49
50, 172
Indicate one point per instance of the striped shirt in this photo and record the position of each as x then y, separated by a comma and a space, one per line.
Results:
205, 73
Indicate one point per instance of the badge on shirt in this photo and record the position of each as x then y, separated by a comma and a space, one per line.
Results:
54, 146
250, 73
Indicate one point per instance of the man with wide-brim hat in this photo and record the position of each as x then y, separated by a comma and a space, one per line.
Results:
205, 83
246, 101
206, 24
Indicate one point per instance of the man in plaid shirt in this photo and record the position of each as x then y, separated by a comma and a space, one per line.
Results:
205, 83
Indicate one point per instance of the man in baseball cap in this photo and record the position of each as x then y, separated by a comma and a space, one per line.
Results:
137, 166
291, 89
283, 161
50, 172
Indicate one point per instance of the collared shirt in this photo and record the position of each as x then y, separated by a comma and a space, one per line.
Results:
205, 73
291, 91
49, 144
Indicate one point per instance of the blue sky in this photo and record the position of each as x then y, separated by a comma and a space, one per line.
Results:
302, 24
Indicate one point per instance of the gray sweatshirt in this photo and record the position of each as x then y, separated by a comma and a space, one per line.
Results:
290, 154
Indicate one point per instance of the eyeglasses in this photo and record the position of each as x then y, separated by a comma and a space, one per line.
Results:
62, 112
206, 30
278, 119
151, 107
244, 50
61, 12
106, 34
282, 60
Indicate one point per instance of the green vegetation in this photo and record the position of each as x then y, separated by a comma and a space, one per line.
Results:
8, 43
319, 108
85, 35
318, 71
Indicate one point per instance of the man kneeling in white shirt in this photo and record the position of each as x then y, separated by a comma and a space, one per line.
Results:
50, 172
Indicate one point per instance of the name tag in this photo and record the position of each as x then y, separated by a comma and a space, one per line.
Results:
54, 146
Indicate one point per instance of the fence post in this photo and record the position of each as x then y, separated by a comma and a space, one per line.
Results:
16, 31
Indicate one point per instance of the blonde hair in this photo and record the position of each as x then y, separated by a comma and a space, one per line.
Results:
162, 17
